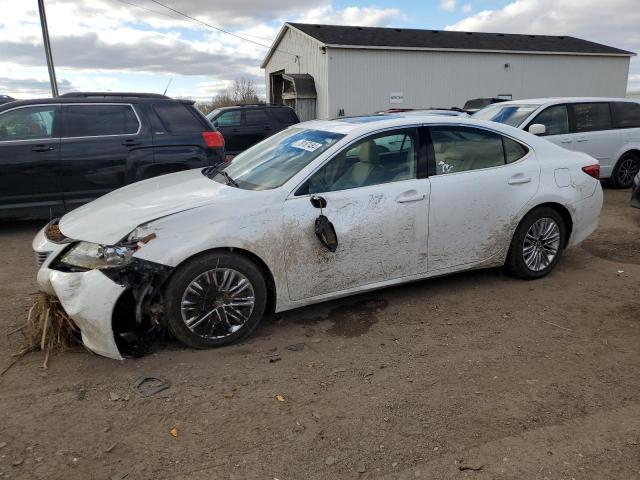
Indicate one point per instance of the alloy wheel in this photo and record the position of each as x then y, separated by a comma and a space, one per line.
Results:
627, 170
541, 244
217, 303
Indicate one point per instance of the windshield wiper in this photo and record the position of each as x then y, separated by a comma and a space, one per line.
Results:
227, 177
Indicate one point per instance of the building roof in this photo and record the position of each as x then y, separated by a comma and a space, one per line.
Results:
413, 39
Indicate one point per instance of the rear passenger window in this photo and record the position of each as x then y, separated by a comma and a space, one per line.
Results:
284, 115
178, 117
555, 119
591, 116
460, 149
99, 120
229, 119
513, 151
256, 117
628, 114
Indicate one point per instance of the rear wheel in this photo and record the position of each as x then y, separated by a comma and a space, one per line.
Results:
537, 244
215, 299
625, 170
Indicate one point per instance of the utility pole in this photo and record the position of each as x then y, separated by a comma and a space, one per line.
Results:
47, 48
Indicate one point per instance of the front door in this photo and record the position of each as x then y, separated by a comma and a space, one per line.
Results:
482, 183
556, 121
379, 209
29, 154
96, 142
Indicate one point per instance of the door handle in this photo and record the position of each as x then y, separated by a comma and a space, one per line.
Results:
130, 143
42, 148
409, 197
518, 180
582, 139
566, 140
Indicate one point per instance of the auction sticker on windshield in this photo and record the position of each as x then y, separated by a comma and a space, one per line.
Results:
307, 145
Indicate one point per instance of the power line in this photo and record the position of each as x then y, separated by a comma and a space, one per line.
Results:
219, 29
181, 19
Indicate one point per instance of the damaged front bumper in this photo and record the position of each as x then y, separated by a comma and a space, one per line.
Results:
90, 297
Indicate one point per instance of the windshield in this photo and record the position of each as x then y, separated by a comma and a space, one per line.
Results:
272, 162
510, 114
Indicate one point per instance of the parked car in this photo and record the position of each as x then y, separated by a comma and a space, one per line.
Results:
243, 126
320, 210
56, 154
635, 192
475, 104
608, 129
6, 99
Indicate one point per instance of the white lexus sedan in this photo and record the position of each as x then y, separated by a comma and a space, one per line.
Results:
321, 210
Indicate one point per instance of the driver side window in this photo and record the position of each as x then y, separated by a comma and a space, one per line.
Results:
555, 119
382, 158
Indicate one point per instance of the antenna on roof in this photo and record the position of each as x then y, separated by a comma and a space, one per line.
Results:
165, 90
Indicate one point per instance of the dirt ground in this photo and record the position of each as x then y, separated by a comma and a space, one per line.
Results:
476, 376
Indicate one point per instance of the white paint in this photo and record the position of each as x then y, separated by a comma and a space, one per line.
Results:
359, 80
606, 146
455, 222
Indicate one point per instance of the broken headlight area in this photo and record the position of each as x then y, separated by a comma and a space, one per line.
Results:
90, 256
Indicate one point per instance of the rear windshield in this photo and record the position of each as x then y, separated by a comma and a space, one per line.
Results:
509, 114
178, 117
270, 163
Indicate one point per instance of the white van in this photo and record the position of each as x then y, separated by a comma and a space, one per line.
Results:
608, 129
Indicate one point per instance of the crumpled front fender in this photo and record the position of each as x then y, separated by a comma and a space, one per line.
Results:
89, 299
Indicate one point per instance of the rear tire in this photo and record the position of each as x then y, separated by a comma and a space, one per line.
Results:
215, 299
625, 170
537, 245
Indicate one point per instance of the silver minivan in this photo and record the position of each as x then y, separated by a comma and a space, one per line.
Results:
608, 129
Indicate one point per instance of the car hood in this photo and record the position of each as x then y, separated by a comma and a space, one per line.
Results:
111, 217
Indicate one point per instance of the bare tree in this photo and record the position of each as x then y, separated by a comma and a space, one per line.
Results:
242, 91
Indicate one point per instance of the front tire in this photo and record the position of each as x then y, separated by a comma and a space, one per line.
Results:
537, 245
215, 299
625, 170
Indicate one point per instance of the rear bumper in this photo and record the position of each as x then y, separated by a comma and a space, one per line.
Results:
586, 217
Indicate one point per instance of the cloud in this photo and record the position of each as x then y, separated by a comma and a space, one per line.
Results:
92, 38
27, 85
448, 5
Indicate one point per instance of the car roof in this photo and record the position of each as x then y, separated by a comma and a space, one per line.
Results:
368, 123
556, 100
110, 98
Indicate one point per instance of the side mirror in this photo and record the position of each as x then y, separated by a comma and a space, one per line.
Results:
215, 124
537, 129
326, 233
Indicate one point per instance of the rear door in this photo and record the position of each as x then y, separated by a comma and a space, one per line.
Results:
556, 120
97, 140
256, 127
595, 133
282, 117
481, 185
229, 123
29, 162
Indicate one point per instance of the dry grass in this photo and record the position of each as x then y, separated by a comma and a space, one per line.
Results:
48, 328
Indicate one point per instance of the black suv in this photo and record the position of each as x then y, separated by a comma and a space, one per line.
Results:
6, 99
58, 153
243, 126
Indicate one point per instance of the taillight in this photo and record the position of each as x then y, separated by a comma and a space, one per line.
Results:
213, 139
592, 171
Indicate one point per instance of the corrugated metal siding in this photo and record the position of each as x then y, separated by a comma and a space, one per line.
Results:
312, 61
360, 80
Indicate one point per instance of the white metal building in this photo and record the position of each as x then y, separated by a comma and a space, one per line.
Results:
328, 71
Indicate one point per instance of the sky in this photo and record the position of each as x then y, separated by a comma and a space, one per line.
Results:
139, 45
